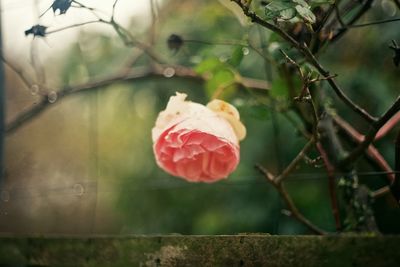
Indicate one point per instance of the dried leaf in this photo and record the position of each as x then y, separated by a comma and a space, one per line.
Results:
37, 30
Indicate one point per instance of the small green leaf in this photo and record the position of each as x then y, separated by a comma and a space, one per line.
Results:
306, 14
309, 69
287, 14
208, 65
280, 10
237, 56
221, 78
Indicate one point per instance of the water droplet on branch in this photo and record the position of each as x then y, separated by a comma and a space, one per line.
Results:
34, 89
52, 97
169, 72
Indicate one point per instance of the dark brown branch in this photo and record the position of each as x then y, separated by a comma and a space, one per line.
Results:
294, 212
299, 157
338, 16
113, 9
339, 92
395, 187
369, 23
388, 126
134, 75
122, 33
371, 152
310, 58
397, 3
366, 6
381, 192
330, 169
370, 136
324, 21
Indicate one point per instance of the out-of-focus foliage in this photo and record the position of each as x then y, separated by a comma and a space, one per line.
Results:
104, 136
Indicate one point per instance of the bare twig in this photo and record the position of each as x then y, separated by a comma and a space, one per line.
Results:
76, 25
310, 58
370, 136
366, 6
395, 187
293, 164
369, 23
294, 212
135, 74
339, 92
381, 192
305, 92
35, 55
338, 16
113, 9
153, 14
332, 186
91, 9
397, 3
371, 152
325, 19
28, 83
388, 126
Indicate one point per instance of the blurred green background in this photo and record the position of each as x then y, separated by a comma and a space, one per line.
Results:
86, 164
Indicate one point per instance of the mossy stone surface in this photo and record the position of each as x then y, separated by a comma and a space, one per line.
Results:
177, 250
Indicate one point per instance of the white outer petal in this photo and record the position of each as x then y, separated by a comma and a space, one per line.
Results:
231, 114
192, 116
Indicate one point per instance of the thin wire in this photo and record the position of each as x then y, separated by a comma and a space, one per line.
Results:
250, 179
26, 193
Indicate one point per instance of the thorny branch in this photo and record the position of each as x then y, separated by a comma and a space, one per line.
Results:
371, 152
277, 182
370, 136
303, 49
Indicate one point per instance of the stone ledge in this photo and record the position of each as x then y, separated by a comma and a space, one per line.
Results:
179, 250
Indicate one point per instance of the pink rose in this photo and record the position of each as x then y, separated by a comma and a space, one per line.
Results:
195, 142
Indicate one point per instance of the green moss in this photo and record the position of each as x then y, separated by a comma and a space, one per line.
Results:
176, 250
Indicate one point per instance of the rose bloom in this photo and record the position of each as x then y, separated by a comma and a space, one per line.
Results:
195, 142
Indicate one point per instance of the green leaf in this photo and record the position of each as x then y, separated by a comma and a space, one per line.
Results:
280, 10
287, 14
208, 65
279, 88
221, 78
309, 69
306, 14
237, 56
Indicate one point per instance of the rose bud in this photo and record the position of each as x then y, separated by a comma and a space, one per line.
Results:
195, 142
